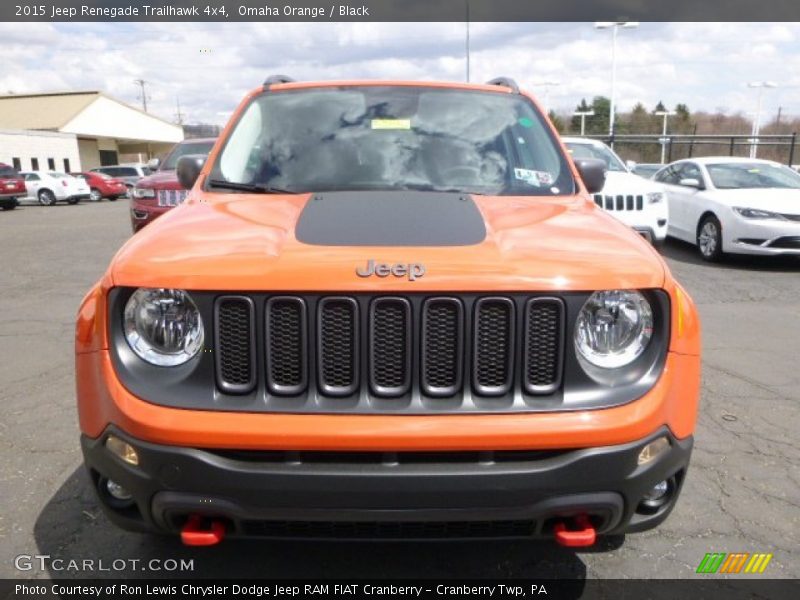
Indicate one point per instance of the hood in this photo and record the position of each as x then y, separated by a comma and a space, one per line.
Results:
161, 180
773, 199
618, 182
269, 242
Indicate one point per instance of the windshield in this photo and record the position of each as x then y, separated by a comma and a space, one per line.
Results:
394, 138
731, 176
6, 171
604, 153
185, 149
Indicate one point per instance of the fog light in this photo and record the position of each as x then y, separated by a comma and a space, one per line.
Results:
117, 491
657, 492
122, 449
652, 450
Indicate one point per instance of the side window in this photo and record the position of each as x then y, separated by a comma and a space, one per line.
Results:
32, 177
669, 175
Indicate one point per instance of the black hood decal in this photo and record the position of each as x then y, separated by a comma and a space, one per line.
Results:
391, 218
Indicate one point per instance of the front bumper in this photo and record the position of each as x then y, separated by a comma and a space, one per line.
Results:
763, 237
388, 495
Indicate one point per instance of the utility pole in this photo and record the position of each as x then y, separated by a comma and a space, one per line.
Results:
141, 83
467, 40
760, 86
583, 114
664, 139
178, 113
614, 26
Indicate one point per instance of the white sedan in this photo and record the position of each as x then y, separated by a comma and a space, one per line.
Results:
736, 205
49, 187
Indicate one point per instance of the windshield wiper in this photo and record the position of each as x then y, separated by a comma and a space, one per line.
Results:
255, 188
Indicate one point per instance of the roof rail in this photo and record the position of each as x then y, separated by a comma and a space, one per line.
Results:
505, 81
273, 79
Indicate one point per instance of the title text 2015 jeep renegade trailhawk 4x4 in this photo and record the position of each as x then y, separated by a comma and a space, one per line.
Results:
388, 309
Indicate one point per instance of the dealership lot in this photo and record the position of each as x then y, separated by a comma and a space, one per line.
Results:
742, 493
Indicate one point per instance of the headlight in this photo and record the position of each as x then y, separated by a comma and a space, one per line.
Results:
755, 213
163, 326
655, 197
613, 328
143, 192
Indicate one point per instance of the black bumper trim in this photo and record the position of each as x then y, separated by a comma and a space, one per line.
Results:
171, 483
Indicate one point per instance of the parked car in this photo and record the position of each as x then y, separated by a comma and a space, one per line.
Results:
102, 185
646, 170
639, 204
388, 309
49, 187
157, 193
129, 173
12, 187
737, 205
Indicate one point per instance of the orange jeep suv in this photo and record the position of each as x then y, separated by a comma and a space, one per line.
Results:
388, 310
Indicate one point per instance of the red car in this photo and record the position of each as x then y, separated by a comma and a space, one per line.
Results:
102, 185
157, 193
12, 187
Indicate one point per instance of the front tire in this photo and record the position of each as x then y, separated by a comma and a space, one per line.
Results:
709, 239
46, 198
95, 195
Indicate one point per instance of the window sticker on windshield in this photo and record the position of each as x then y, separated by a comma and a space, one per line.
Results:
391, 123
526, 122
531, 177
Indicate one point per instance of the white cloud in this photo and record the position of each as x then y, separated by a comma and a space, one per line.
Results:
210, 66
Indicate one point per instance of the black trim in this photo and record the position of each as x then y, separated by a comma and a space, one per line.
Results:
326, 388
509, 352
427, 388
173, 482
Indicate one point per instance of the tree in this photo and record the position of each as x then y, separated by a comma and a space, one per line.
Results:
557, 122
575, 123
660, 107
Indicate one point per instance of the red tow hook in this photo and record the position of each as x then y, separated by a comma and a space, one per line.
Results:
584, 536
196, 532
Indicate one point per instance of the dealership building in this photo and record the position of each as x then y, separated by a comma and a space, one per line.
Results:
77, 131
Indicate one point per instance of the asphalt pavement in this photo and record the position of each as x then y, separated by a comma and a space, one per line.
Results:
742, 492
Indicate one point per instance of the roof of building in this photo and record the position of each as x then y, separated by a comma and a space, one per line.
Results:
50, 110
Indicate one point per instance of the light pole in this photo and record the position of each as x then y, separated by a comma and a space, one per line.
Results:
546, 94
665, 114
583, 114
757, 121
614, 27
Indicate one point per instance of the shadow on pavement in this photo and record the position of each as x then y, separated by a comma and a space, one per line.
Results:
687, 253
72, 526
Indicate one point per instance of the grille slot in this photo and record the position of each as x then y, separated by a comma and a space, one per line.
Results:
493, 346
286, 343
544, 345
337, 346
235, 345
442, 346
390, 346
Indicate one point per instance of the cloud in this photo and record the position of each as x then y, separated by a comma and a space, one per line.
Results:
209, 66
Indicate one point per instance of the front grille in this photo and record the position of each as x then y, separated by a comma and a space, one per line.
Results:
235, 356
171, 197
619, 202
368, 352
390, 529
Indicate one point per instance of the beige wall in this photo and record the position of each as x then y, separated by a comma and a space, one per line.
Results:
90, 155
25, 144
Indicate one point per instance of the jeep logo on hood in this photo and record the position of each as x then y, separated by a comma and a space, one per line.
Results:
411, 270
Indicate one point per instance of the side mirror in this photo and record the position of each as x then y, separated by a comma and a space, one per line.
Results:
631, 164
691, 182
593, 173
153, 164
189, 168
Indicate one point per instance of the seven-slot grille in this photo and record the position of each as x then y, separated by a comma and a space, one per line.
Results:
437, 347
171, 197
619, 202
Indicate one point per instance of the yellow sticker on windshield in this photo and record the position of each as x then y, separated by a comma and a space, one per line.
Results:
391, 123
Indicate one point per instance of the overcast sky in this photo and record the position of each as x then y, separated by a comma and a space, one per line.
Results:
210, 66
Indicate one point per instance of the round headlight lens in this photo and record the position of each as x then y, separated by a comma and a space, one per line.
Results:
163, 326
613, 328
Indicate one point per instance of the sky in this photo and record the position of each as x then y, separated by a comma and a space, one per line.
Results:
208, 67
